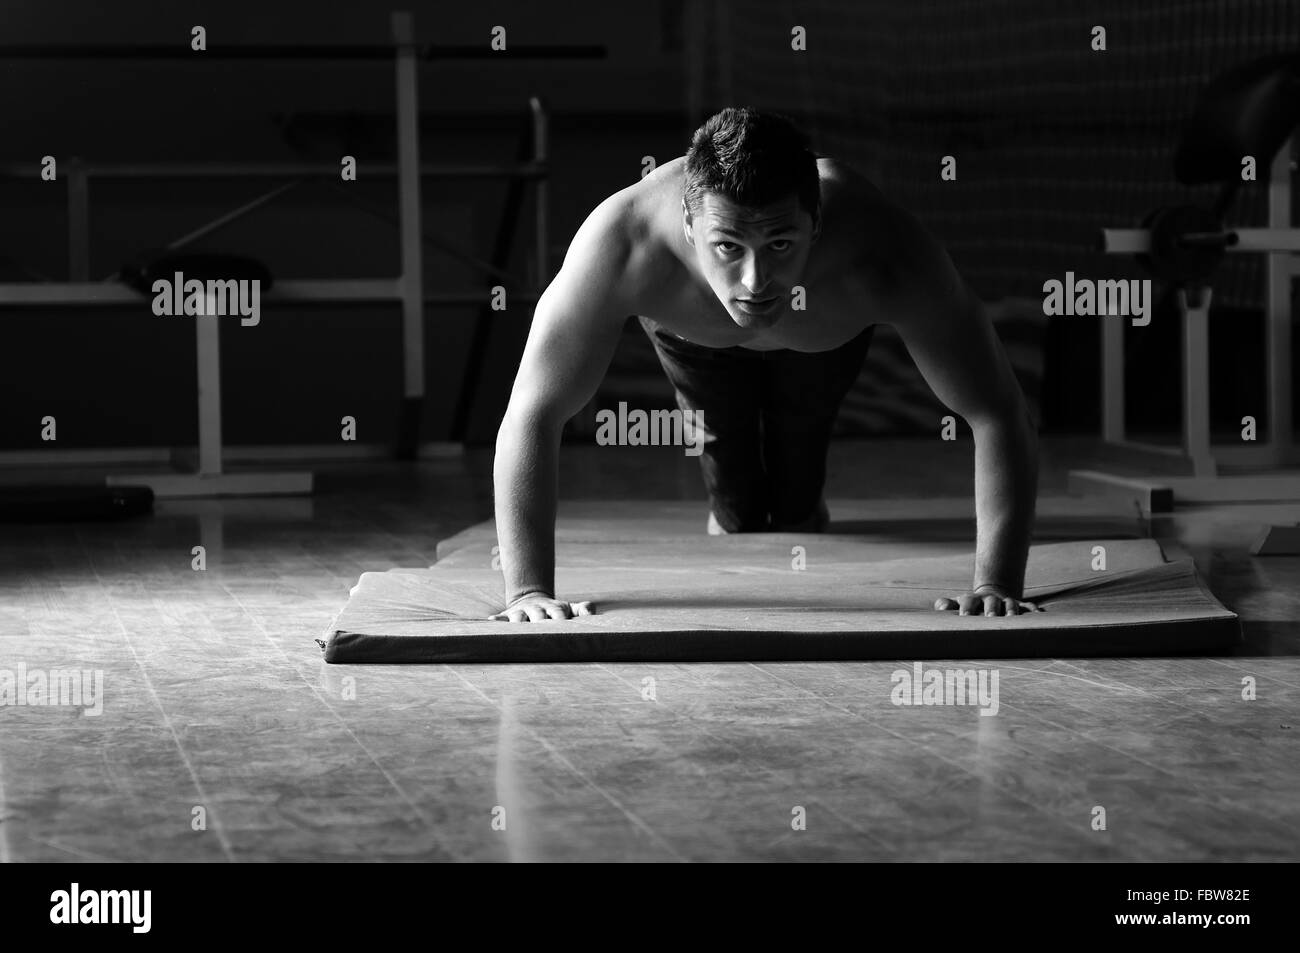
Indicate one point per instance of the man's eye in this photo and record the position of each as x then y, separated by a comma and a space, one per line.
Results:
725, 247
781, 244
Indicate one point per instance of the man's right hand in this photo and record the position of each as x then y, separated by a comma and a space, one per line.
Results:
538, 607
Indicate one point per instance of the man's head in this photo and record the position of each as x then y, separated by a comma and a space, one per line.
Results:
751, 208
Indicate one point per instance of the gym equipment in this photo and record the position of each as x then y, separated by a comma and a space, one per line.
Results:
406, 288
1251, 110
141, 274
1186, 244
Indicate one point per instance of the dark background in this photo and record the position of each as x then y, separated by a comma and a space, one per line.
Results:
1053, 141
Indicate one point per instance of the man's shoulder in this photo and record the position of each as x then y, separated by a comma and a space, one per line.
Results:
861, 227
881, 230
634, 212
623, 241
843, 182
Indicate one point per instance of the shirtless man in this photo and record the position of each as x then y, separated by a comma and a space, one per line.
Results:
708, 251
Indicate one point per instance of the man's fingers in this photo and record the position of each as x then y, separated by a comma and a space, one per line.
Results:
543, 611
1022, 607
987, 605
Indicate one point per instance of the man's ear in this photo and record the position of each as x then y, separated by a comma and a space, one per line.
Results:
686, 223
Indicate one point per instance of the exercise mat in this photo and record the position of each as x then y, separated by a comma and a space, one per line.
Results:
664, 593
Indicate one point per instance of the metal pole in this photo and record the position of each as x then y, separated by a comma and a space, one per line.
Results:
1112, 379
224, 220
408, 190
1194, 303
1279, 268
541, 149
208, 337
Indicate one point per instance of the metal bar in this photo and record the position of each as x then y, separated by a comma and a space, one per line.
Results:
408, 186
67, 293
1259, 455
1278, 271
306, 51
78, 222
479, 298
224, 220
1272, 239
1151, 495
236, 170
1113, 394
1194, 303
113, 294
336, 289
197, 485
541, 151
1132, 241
432, 240
208, 336
152, 456
1125, 241
476, 355
1236, 489
1156, 449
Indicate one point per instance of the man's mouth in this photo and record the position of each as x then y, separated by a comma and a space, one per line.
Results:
757, 305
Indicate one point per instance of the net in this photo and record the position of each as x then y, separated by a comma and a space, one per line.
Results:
1053, 140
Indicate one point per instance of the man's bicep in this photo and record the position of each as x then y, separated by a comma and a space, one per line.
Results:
958, 353
948, 332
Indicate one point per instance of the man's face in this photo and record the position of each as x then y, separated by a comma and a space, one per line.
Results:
751, 258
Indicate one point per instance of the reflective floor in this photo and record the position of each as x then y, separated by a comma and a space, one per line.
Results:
221, 735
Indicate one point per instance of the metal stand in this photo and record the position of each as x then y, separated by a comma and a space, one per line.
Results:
407, 288
1280, 241
210, 480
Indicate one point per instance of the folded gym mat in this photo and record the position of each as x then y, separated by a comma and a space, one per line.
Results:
776, 596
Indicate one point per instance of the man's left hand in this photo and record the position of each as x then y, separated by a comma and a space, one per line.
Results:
986, 601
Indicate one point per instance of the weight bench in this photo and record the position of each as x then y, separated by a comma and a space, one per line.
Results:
1251, 110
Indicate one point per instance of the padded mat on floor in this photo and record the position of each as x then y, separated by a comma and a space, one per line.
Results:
663, 593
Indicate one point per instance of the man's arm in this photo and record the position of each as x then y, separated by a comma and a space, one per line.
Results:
949, 335
575, 330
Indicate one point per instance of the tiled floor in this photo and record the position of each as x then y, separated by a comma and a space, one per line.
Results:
219, 714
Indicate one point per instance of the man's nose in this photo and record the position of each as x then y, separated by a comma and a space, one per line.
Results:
755, 275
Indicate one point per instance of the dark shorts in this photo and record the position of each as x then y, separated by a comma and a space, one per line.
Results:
767, 423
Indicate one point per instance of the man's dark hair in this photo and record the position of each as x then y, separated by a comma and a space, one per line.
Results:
753, 158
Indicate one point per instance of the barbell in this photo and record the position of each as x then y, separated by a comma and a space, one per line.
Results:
1187, 243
